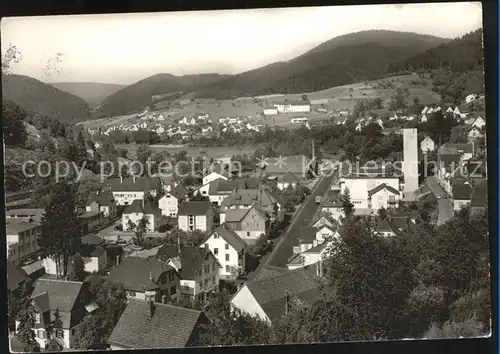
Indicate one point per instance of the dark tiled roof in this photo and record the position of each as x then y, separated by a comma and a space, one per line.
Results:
195, 208
191, 258
288, 178
15, 277
140, 184
230, 237
60, 294
104, 198
307, 234
169, 327
36, 214
92, 239
462, 190
137, 207
332, 199
236, 215
454, 148
134, 272
270, 292
18, 227
327, 216
480, 194
382, 186
261, 197
447, 160
179, 191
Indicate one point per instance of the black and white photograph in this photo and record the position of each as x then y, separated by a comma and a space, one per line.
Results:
246, 177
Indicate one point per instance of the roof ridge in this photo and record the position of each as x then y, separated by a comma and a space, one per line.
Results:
62, 280
167, 305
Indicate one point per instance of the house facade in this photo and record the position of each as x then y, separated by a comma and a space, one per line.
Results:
73, 302
169, 205
196, 215
229, 249
293, 106
126, 190
138, 210
249, 224
427, 145
22, 241
104, 202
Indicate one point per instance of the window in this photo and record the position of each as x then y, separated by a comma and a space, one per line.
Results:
227, 256
227, 269
59, 333
41, 334
171, 276
131, 293
82, 297
163, 279
216, 251
37, 318
213, 279
227, 246
216, 236
173, 290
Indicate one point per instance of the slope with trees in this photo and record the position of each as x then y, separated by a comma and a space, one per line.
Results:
92, 92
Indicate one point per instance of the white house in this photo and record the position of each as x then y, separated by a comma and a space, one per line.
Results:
126, 190
270, 111
299, 120
169, 205
479, 123
196, 215
449, 110
293, 106
383, 196
423, 119
427, 144
229, 249
287, 180
462, 194
424, 111
212, 176
139, 209
370, 193
474, 133
470, 98
102, 201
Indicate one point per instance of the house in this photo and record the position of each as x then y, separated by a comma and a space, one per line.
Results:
169, 203
22, 241
229, 249
324, 218
220, 189
299, 120
462, 193
102, 201
383, 196
325, 232
474, 133
126, 190
248, 223
90, 220
140, 209
465, 150
479, 123
427, 145
424, 111
71, 299
287, 180
272, 297
470, 98
423, 119
332, 205
16, 277
300, 166
197, 266
450, 110
27, 215
212, 176
246, 198
139, 276
293, 106
148, 325
383, 228
270, 111
94, 257
196, 215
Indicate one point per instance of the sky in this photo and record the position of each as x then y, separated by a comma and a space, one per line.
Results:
125, 48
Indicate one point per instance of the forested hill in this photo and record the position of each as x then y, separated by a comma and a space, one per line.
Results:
136, 96
343, 60
36, 96
459, 55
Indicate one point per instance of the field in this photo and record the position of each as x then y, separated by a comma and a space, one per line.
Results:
214, 152
336, 98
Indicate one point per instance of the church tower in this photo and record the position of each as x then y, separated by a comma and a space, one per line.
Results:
410, 163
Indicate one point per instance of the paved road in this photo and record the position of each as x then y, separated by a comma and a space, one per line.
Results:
445, 203
284, 249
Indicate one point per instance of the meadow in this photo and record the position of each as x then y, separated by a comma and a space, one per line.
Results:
214, 152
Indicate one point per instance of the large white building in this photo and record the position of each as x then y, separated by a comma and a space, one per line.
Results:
293, 106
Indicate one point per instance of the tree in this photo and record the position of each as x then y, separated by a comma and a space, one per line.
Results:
14, 131
140, 230
26, 318
53, 346
60, 236
382, 213
11, 56
304, 97
470, 328
77, 268
143, 153
347, 205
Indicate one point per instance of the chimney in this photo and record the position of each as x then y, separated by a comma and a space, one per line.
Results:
164, 299
117, 260
287, 302
151, 309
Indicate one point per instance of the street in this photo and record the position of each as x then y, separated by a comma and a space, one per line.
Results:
303, 217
